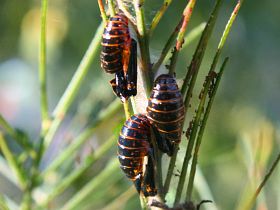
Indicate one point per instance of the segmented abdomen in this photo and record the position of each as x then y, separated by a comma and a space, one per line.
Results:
115, 40
133, 145
165, 107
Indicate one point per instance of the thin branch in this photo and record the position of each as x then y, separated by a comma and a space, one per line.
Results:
229, 24
20, 137
42, 68
72, 177
143, 38
159, 15
111, 6
180, 38
102, 11
104, 115
126, 109
192, 73
262, 184
194, 33
73, 87
10, 157
205, 92
189, 149
188, 84
167, 47
105, 175
170, 170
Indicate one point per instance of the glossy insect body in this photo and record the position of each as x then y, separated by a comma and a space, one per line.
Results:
166, 109
116, 45
125, 85
133, 145
119, 56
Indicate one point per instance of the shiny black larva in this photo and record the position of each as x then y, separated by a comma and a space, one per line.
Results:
134, 145
166, 108
119, 56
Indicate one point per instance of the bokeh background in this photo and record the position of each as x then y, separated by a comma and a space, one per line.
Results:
242, 136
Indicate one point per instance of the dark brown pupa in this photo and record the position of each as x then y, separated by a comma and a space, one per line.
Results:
134, 145
166, 109
116, 45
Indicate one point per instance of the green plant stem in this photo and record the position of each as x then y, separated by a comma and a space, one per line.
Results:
42, 68
18, 136
170, 170
126, 109
229, 24
10, 157
143, 38
159, 15
27, 200
8, 128
166, 48
89, 188
111, 8
68, 180
191, 77
262, 184
181, 34
186, 18
194, 33
104, 115
213, 66
73, 87
188, 84
102, 11
203, 125
190, 146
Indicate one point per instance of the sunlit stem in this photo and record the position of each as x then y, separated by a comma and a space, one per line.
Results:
159, 15
126, 109
74, 86
143, 39
42, 68
111, 6
102, 11
203, 125
180, 38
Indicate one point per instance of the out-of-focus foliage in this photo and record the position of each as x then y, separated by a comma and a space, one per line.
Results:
242, 135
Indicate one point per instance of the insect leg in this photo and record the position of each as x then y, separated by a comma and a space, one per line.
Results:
119, 85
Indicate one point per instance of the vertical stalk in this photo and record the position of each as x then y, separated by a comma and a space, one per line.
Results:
180, 38
111, 8
102, 11
203, 124
126, 109
42, 67
143, 38
170, 170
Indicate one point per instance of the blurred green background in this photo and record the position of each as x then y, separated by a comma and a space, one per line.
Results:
242, 136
